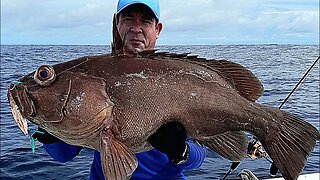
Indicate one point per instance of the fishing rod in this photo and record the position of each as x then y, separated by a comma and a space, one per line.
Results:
273, 169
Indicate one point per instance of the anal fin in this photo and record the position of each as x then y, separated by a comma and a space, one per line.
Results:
116, 160
230, 145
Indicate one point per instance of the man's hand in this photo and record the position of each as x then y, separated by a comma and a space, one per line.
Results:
170, 139
45, 137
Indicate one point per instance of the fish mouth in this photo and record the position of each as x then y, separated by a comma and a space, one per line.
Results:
21, 105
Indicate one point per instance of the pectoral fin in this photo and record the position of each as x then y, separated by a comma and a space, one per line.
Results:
230, 145
116, 160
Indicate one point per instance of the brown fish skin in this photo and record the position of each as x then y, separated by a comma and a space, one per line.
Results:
114, 103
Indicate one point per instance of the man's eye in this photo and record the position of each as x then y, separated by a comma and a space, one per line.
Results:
128, 19
147, 21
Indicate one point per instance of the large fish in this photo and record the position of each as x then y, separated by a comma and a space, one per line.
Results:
114, 103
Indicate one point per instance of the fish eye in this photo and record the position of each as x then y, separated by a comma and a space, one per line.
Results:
44, 75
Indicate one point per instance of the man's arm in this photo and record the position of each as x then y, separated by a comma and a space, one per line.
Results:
61, 151
57, 149
195, 157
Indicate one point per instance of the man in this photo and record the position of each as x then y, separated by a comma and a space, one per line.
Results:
138, 24
138, 27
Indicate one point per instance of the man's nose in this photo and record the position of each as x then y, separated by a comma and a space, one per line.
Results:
136, 27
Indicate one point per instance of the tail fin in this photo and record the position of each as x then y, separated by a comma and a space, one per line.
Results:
290, 147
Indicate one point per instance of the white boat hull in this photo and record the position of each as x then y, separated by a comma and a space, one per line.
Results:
312, 176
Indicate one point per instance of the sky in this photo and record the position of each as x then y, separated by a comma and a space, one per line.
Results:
185, 22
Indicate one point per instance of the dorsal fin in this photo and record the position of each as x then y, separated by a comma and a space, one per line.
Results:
154, 53
242, 79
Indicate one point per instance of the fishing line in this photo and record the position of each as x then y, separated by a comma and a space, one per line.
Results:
14, 84
305, 74
32, 140
74, 66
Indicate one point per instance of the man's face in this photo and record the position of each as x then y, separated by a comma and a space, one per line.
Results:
139, 28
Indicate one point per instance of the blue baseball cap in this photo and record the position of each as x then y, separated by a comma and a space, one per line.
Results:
152, 4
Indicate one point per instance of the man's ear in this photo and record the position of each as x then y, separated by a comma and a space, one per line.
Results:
158, 28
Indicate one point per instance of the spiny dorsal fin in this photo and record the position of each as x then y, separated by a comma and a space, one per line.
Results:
242, 79
153, 53
149, 52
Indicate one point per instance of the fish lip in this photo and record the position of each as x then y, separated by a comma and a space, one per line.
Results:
21, 105
17, 116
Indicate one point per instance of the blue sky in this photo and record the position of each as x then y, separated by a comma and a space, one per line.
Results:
185, 22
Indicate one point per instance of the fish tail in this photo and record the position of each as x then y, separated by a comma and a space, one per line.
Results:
290, 146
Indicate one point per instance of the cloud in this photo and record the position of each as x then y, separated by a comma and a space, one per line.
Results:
185, 21
44, 15
241, 21
199, 15
56, 20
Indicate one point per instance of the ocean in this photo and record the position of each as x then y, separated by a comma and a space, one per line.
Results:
279, 68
